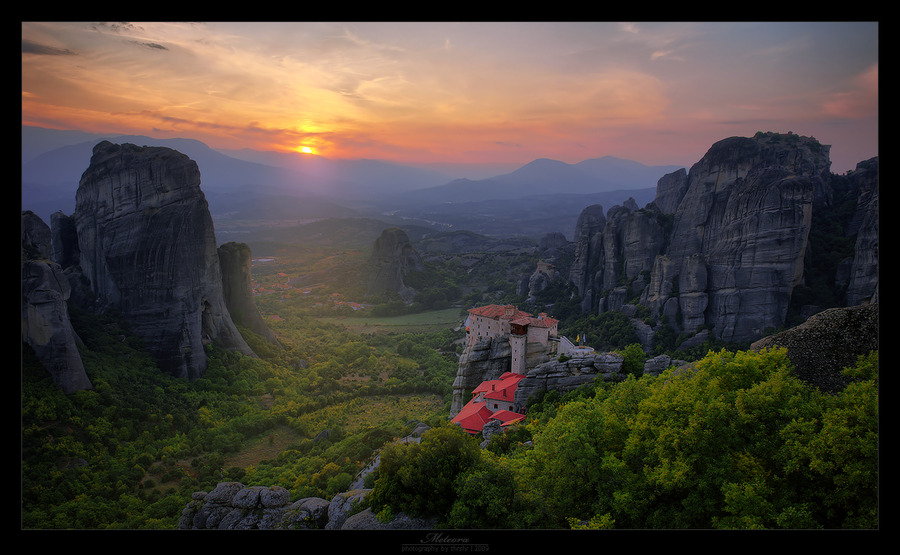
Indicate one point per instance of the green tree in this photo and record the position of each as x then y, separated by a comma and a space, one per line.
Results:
634, 358
486, 496
419, 478
734, 442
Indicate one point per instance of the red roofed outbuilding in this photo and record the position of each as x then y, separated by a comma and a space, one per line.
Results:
492, 399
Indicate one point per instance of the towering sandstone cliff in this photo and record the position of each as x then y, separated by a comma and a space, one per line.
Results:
45, 311
723, 245
862, 270
235, 260
393, 257
148, 249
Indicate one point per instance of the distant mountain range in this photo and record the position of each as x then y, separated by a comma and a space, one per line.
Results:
257, 185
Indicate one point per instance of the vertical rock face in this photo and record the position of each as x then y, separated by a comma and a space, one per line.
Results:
484, 360
721, 246
35, 237
64, 240
740, 234
147, 247
235, 260
863, 286
45, 314
588, 237
393, 257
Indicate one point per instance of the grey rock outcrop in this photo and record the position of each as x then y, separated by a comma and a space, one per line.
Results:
585, 269
484, 360
552, 242
64, 240
35, 237
828, 342
568, 375
658, 364
722, 246
670, 189
367, 520
234, 506
393, 258
544, 276
863, 278
235, 260
45, 325
148, 249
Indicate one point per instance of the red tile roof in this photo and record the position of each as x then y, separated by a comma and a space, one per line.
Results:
540, 322
516, 316
507, 417
496, 311
473, 416
476, 414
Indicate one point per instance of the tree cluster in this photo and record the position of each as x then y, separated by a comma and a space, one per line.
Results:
736, 442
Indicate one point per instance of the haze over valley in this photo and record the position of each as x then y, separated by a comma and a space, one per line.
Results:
541, 197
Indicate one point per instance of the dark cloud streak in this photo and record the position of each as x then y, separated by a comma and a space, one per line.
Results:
151, 45
29, 47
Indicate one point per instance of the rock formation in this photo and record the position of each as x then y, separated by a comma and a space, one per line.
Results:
722, 247
567, 375
234, 506
863, 269
490, 357
235, 260
35, 237
827, 343
148, 249
588, 244
46, 327
483, 360
393, 258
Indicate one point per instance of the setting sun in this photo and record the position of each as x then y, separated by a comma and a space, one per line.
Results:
305, 150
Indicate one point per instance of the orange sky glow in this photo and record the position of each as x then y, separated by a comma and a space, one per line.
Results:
421, 93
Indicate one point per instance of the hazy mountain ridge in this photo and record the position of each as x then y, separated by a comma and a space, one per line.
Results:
314, 187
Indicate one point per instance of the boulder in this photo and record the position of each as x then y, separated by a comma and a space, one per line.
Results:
342, 505
827, 342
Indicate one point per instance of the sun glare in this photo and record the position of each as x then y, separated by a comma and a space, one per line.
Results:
305, 150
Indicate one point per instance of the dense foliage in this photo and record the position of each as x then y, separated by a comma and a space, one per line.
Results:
308, 416
735, 443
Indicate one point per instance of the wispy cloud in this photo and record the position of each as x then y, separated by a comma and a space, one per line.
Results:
29, 47
438, 88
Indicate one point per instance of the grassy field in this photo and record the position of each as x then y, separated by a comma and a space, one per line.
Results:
435, 320
353, 416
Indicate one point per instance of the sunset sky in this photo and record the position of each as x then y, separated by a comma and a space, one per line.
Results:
418, 93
